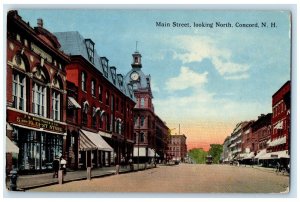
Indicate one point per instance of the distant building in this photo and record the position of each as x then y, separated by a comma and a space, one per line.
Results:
236, 142
225, 153
177, 148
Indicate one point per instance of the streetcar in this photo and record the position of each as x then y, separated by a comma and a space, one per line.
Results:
208, 159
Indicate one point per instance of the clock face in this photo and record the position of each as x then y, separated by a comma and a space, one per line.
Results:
134, 76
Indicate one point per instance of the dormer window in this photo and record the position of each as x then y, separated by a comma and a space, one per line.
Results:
120, 79
104, 62
130, 89
113, 74
90, 49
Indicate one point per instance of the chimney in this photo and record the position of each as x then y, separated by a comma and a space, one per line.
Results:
40, 22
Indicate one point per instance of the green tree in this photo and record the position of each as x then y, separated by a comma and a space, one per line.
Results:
215, 151
197, 155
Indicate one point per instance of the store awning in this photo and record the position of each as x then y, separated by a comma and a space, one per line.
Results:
11, 147
97, 140
260, 154
72, 103
278, 141
151, 152
141, 152
276, 155
104, 134
86, 144
249, 156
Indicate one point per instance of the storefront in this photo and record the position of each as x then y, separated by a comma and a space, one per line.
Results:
94, 151
39, 141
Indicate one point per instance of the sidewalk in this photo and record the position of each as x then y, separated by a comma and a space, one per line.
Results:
33, 181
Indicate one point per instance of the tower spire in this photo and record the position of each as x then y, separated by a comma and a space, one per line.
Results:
136, 44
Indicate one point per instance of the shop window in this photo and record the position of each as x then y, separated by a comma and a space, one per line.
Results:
39, 99
56, 103
18, 92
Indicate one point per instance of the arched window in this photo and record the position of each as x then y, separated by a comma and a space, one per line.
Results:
85, 109
39, 91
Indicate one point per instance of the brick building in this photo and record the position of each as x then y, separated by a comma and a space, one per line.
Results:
281, 107
100, 106
36, 95
150, 131
177, 148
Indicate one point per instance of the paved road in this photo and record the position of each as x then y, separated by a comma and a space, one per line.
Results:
184, 178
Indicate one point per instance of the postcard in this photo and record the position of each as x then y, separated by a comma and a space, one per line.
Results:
148, 101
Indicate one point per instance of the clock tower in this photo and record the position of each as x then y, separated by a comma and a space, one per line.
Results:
136, 62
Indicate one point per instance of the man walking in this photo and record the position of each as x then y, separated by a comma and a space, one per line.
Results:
55, 166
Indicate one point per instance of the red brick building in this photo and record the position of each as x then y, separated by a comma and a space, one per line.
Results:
150, 131
177, 148
100, 110
36, 95
281, 106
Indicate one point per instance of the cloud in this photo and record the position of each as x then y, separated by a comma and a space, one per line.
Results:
196, 48
186, 79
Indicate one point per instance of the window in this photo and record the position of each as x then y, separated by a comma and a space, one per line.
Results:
39, 99
107, 98
93, 88
112, 103
85, 110
94, 119
83, 81
56, 106
100, 92
18, 91
142, 137
142, 120
142, 102
117, 104
90, 49
104, 62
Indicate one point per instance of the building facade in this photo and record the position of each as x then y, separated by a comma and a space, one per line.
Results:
100, 107
36, 95
177, 148
225, 153
281, 107
150, 131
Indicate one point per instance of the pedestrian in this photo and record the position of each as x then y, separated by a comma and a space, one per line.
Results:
122, 161
130, 164
55, 166
63, 163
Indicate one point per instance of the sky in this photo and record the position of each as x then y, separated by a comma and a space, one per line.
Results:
205, 79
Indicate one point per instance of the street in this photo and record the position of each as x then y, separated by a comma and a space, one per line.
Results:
183, 178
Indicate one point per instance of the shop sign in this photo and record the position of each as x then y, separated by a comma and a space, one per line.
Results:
36, 122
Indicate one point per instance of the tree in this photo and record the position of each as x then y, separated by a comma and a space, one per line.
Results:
197, 155
216, 151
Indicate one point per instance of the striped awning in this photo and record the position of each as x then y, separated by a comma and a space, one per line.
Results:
85, 143
97, 141
72, 103
11, 147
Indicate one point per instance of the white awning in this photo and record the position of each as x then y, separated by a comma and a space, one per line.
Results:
11, 147
141, 152
249, 156
104, 134
151, 152
97, 140
278, 141
72, 103
260, 153
276, 155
